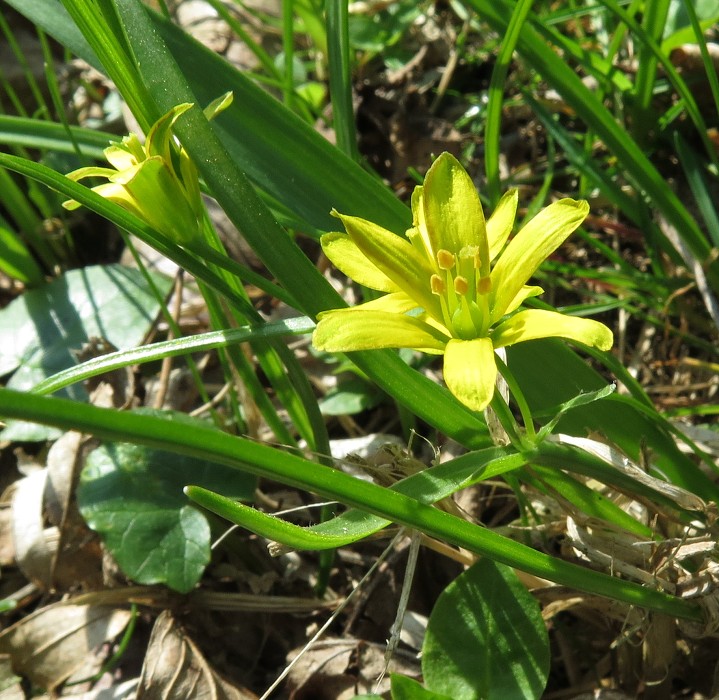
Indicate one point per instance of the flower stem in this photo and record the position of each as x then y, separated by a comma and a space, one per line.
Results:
518, 396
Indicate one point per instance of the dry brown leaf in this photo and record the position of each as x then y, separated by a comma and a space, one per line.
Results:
35, 545
49, 645
78, 559
119, 691
62, 465
7, 546
338, 669
175, 669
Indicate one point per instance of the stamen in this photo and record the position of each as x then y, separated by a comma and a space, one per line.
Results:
484, 285
461, 286
437, 285
445, 259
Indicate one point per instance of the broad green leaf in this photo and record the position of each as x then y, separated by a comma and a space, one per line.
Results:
486, 638
133, 497
404, 688
707, 12
350, 397
45, 326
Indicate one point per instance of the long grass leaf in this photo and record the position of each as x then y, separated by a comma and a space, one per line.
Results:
339, 59
635, 164
654, 19
496, 92
292, 470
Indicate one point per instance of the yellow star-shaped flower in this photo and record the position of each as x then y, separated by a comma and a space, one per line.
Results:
452, 287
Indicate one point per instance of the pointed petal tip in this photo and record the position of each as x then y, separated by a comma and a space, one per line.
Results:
533, 324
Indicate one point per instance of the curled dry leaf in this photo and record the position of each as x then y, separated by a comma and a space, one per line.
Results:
54, 642
35, 545
175, 669
78, 559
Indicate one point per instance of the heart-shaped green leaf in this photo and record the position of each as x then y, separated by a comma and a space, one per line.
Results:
132, 496
45, 326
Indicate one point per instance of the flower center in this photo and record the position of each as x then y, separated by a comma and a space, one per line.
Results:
462, 291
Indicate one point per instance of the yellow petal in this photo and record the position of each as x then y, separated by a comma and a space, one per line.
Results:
529, 248
396, 258
156, 194
500, 224
118, 194
160, 140
524, 293
347, 257
91, 171
536, 323
418, 234
470, 371
452, 210
345, 330
120, 157
394, 302
220, 104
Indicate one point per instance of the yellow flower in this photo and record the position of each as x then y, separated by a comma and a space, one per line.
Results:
448, 289
156, 181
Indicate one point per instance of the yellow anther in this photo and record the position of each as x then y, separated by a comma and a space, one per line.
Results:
461, 286
484, 285
436, 284
445, 259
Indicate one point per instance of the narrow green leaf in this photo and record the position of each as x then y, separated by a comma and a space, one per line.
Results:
292, 470
496, 89
340, 69
588, 502
694, 171
279, 152
428, 486
588, 108
698, 29
579, 400
45, 135
171, 348
654, 18
564, 375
